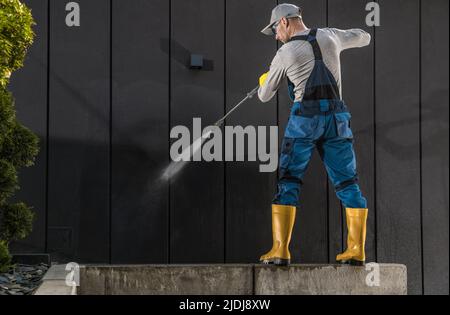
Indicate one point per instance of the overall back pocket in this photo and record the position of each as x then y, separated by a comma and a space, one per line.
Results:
343, 129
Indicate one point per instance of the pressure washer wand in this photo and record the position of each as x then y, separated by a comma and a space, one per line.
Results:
249, 95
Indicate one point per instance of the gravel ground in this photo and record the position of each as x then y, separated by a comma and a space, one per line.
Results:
22, 279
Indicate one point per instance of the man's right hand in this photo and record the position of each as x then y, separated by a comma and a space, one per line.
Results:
263, 78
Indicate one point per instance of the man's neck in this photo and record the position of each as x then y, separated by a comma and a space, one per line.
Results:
298, 29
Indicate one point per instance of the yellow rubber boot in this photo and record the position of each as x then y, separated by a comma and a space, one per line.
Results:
283, 218
356, 237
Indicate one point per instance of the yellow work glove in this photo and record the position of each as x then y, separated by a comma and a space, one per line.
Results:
263, 78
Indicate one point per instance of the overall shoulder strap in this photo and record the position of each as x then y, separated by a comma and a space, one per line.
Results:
311, 38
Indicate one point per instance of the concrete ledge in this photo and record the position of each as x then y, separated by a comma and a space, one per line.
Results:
55, 287
228, 279
54, 282
377, 279
167, 279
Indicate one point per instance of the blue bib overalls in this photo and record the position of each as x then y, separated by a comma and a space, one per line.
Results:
321, 120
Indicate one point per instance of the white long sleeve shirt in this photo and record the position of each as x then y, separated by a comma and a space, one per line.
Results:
295, 59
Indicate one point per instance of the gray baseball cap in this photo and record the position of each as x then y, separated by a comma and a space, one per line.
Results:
286, 10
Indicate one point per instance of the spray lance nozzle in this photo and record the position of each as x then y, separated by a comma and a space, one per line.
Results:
249, 96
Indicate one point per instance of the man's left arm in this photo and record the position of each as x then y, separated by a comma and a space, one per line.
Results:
272, 82
351, 38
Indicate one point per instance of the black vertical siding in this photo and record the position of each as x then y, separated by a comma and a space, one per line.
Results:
197, 193
29, 88
397, 138
434, 150
139, 198
79, 118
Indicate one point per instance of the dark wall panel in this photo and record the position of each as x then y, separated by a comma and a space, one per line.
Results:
78, 207
358, 92
197, 193
310, 236
140, 118
397, 138
435, 139
249, 192
31, 110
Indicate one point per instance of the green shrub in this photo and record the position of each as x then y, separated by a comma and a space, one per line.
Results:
7, 114
8, 181
16, 35
18, 145
5, 257
17, 222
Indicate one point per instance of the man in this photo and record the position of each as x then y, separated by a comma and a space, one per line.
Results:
319, 118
